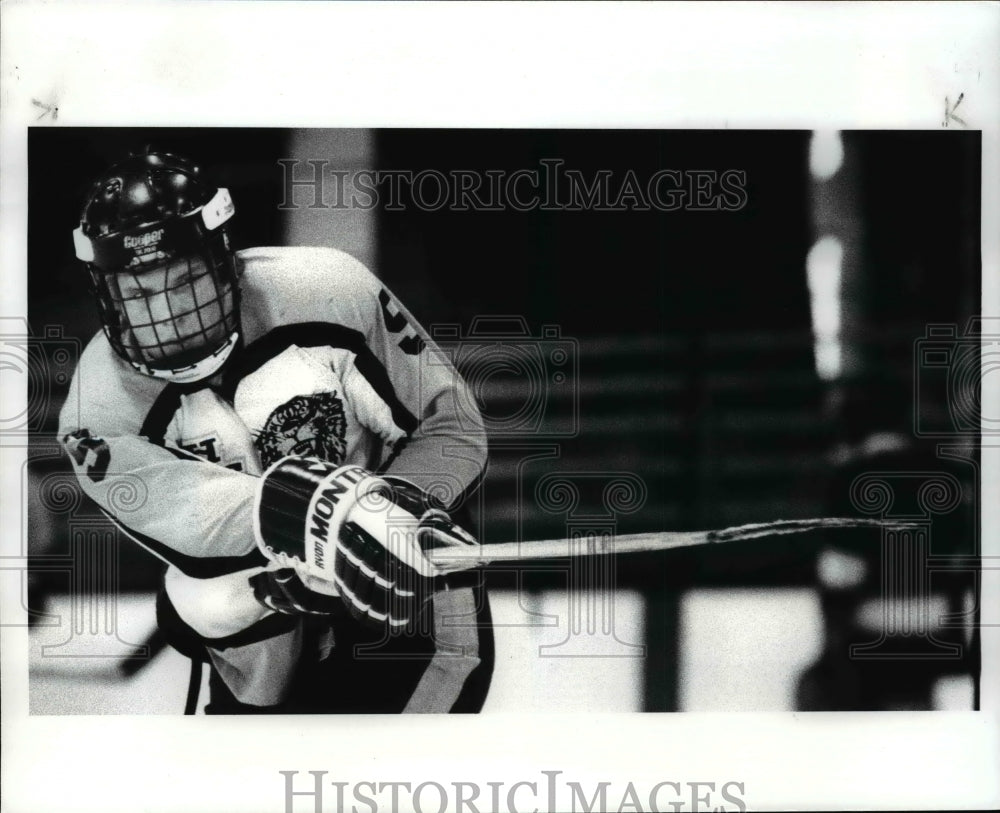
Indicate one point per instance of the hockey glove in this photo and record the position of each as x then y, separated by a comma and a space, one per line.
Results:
348, 533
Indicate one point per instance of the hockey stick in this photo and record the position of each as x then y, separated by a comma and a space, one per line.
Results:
456, 558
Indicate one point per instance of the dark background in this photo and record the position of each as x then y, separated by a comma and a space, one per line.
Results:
691, 329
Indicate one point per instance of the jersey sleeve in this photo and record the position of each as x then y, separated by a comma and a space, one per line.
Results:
191, 513
446, 447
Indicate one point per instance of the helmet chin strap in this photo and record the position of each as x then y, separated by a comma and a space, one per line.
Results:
198, 371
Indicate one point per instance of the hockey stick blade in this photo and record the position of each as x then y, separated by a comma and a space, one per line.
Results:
454, 559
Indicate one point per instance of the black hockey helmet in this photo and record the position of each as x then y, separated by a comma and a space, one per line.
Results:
142, 219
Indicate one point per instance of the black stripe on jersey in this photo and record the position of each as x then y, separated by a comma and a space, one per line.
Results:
198, 567
180, 454
319, 334
477, 685
154, 428
463, 516
400, 445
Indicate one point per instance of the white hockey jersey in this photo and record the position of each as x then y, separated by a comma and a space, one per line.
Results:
331, 365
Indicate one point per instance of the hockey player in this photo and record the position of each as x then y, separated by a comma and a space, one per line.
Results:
277, 427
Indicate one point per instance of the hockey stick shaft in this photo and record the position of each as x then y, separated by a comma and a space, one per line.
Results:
453, 559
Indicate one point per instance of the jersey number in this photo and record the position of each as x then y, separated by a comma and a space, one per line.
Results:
90, 452
396, 322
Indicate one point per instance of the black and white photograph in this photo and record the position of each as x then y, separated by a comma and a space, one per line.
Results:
599, 444
560, 341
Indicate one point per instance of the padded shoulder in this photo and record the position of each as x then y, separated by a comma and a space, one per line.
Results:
286, 285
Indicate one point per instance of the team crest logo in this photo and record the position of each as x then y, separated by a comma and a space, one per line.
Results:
308, 426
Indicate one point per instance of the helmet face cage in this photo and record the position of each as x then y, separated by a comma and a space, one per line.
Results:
154, 239
169, 314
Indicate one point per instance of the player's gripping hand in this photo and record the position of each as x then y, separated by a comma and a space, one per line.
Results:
351, 534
